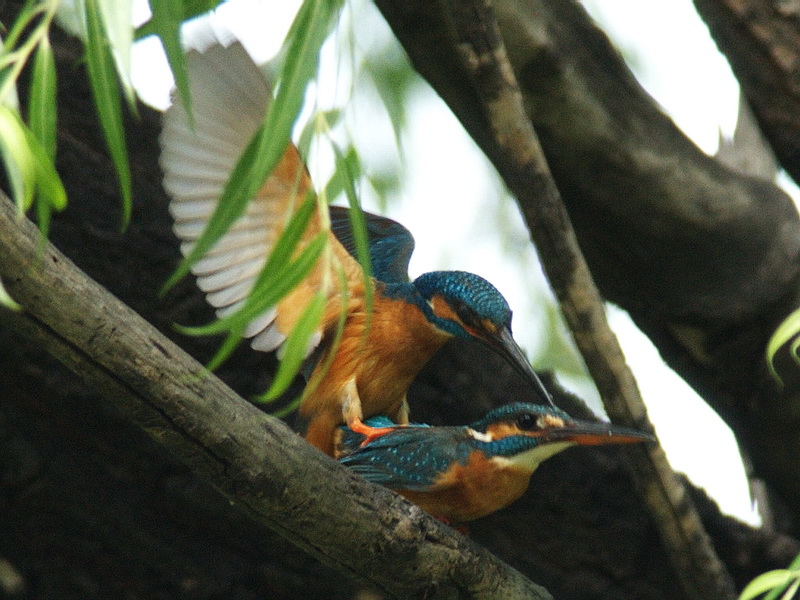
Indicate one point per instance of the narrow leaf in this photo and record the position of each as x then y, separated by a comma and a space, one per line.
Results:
347, 167
331, 343
17, 157
295, 347
766, 582
794, 568
6, 300
788, 329
231, 205
191, 9
49, 188
272, 276
117, 22
42, 101
288, 278
107, 101
792, 590
284, 278
168, 15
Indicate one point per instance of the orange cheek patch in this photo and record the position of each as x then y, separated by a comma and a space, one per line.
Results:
489, 327
442, 309
499, 431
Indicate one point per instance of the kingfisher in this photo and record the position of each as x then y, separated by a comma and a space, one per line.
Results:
366, 368
459, 474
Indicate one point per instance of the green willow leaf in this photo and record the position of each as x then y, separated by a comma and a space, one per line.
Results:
50, 194
331, 346
766, 582
42, 101
105, 90
306, 35
288, 278
168, 15
275, 281
295, 347
49, 188
791, 590
117, 18
19, 161
271, 277
191, 9
6, 300
31, 172
777, 591
274, 286
787, 331
348, 167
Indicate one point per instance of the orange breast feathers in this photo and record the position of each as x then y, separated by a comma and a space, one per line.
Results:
468, 492
370, 370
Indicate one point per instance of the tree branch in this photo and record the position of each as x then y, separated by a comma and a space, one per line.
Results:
253, 459
762, 42
510, 142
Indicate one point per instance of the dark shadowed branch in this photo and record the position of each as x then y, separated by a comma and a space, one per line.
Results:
254, 459
761, 40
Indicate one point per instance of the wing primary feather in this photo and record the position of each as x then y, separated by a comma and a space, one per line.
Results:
230, 97
268, 340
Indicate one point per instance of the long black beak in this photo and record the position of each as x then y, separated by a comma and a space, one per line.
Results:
508, 348
585, 433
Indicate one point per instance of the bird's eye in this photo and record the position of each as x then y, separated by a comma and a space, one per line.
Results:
527, 422
467, 315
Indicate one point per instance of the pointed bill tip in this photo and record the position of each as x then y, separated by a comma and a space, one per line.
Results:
598, 434
507, 346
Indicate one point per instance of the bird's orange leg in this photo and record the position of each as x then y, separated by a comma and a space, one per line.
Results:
369, 433
353, 415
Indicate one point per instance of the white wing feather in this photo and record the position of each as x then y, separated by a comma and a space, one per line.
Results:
229, 96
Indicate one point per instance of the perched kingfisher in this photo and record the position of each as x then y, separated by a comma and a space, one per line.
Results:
377, 356
462, 473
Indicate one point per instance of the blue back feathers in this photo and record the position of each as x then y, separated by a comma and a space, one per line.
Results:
390, 244
403, 459
470, 296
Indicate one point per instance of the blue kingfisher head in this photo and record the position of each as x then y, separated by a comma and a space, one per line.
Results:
527, 434
465, 305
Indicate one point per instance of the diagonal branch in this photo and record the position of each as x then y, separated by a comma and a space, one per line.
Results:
509, 140
253, 459
761, 40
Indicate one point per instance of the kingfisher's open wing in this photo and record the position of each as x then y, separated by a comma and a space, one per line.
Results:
229, 96
390, 244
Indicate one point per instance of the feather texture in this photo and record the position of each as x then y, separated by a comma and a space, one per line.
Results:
230, 97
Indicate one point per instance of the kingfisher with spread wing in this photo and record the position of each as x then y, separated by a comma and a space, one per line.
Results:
380, 348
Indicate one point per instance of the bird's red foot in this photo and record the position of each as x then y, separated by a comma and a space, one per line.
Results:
369, 433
